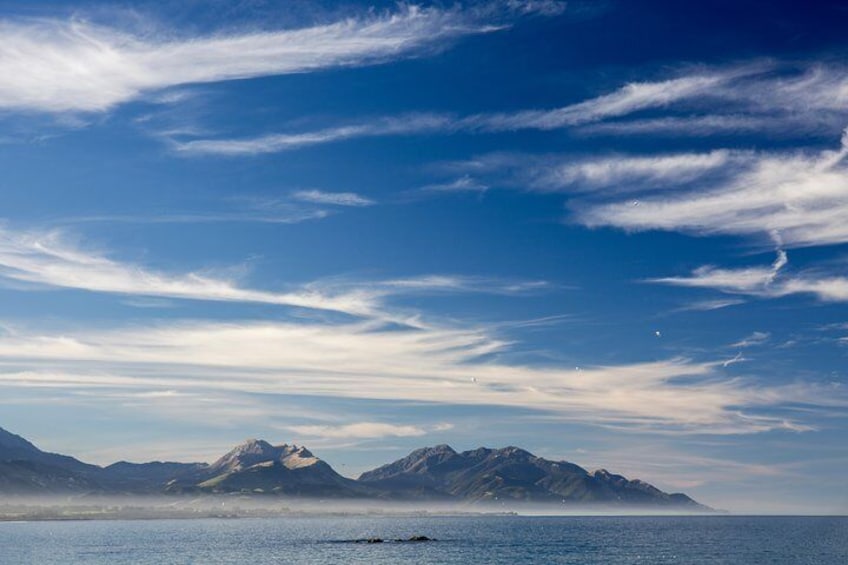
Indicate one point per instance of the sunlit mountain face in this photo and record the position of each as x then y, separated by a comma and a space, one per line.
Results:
608, 232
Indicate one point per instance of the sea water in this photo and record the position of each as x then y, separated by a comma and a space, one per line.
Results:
465, 540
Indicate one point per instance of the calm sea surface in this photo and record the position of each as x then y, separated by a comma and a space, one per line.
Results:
495, 539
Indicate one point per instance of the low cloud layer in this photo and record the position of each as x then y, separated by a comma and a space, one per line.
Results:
365, 430
425, 364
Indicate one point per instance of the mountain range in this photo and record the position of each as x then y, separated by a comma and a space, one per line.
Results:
508, 476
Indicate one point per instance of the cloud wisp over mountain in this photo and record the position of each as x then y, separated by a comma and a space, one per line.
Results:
434, 364
390, 353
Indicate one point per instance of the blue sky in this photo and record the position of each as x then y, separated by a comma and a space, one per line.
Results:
608, 232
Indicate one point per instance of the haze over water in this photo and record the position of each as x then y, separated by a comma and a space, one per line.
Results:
495, 540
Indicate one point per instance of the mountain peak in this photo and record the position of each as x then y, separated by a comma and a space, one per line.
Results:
606, 475
512, 473
255, 451
423, 460
512, 451
253, 446
256, 466
8, 440
441, 449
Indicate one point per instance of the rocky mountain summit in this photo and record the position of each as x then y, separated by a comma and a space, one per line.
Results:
257, 466
512, 474
509, 475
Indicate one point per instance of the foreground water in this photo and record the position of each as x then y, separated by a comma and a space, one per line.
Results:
484, 539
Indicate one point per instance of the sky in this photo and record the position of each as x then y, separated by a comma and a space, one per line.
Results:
608, 232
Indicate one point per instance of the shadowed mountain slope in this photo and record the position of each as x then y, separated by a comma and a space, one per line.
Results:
508, 475
512, 474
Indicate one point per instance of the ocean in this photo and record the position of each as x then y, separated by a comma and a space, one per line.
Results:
476, 539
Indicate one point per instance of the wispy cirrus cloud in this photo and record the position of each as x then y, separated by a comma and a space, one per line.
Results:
431, 364
709, 305
278, 142
52, 259
756, 338
767, 96
453, 283
464, 183
775, 98
827, 288
630, 98
277, 215
800, 196
694, 126
332, 198
75, 66
765, 282
763, 97
365, 430
292, 208
608, 175
748, 280
795, 198
631, 172
383, 353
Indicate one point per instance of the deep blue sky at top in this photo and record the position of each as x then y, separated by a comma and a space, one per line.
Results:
569, 246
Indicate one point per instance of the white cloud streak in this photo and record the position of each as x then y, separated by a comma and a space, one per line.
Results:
764, 282
750, 280
280, 215
753, 282
463, 184
763, 97
431, 364
767, 97
708, 305
756, 338
802, 197
711, 125
630, 98
624, 173
387, 355
62, 66
46, 258
278, 142
362, 430
332, 198
52, 259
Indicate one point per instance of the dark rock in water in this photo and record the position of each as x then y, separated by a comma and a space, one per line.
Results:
398, 540
368, 540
